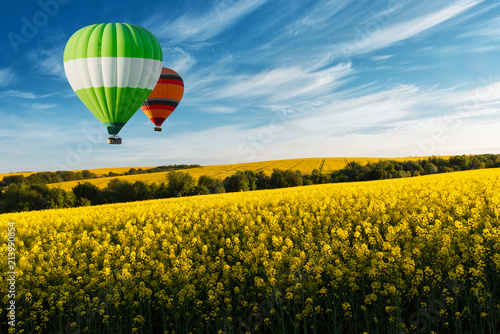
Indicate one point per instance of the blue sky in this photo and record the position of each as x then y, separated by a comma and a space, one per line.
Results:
263, 80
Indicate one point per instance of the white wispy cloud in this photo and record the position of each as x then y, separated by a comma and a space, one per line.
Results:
23, 95
40, 106
221, 110
48, 62
178, 59
318, 16
464, 99
283, 83
6, 76
484, 28
202, 27
381, 57
385, 36
361, 113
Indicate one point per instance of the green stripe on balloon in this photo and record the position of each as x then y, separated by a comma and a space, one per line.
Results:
113, 104
113, 40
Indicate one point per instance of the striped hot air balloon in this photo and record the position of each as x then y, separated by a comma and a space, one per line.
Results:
113, 67
164, 98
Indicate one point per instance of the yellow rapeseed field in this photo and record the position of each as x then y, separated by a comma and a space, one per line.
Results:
415, 255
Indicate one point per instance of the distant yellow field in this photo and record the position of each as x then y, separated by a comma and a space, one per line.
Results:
306, 165
10, 174
97, 171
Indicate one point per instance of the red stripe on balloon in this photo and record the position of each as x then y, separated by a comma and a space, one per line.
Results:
158, 106
171, 81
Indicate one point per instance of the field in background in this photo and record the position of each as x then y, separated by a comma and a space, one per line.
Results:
306, 166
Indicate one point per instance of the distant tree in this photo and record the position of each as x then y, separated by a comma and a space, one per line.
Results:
414, 167
445, 169
478, 165
82, 202
42, 189
142, 191
200, 190
18, 179
212, 184
430, 168
180, 184
306, 181
317, 177
263, 180
66, 175
153, 188
161, 191
119, 191
58, 198
352, 171
37, 178
89, 192
439, 162
252, 179
88, 174
44, 177
285, 178
236, 182
462, 161
21, 197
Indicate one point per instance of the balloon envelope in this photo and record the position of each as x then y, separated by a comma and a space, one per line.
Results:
113, 67
165, 96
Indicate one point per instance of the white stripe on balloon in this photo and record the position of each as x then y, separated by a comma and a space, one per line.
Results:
97, 72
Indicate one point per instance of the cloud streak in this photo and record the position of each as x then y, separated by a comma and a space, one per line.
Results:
22, 95
384, 36
203, 27
6, 76
48, 62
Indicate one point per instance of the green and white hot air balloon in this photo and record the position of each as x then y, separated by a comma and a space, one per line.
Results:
113, 67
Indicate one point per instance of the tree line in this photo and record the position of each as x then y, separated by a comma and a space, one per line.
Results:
390, 169
24, 194
63, 176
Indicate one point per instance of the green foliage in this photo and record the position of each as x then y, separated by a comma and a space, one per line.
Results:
180, 184
89, 192
12, 179
430, 168
237, 182
317, 177
119, 191
285, 178
161, 191
158, 169
21, 197
86, 174
388, 169
263, 180
212, 184
58, 198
